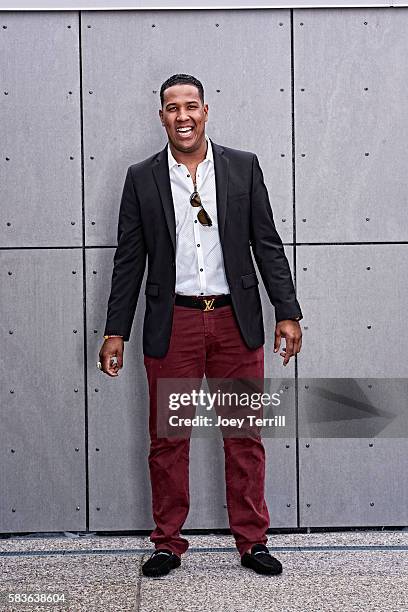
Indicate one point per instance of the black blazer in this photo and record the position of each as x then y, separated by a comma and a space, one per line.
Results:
146, 227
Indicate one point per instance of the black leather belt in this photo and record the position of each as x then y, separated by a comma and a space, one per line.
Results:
203, 302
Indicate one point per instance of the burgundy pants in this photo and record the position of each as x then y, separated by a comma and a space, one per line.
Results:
206, 343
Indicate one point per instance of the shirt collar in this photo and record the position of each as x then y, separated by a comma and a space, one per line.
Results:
209, 156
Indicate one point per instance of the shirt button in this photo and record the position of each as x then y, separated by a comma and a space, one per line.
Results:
195, 221
198, 245
201, 269
188, 175
201, 293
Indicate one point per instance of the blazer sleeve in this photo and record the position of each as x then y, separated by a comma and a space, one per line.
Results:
268, 251
129, 264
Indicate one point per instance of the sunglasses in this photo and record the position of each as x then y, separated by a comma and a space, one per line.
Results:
202, 216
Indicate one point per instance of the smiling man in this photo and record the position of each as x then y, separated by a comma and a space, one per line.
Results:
197, 209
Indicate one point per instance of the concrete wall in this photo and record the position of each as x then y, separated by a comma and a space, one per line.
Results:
319, 95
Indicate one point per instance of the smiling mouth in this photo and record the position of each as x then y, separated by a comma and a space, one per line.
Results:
184, 130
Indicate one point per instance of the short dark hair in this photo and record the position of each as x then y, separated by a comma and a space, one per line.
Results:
181, 79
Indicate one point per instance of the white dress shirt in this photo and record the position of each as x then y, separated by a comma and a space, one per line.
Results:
199, 261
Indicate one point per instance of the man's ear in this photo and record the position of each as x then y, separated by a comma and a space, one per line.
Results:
161, 116
206, 111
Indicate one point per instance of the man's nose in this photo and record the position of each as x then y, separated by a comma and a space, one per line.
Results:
182, 115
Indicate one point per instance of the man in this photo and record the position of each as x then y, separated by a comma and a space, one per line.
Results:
195, 208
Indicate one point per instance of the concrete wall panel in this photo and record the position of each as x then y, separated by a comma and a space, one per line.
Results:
42, 395
40, 166
126, 57
352, 406
350, 127
119, 484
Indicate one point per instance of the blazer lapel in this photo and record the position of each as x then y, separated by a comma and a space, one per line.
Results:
221, 169
162, 178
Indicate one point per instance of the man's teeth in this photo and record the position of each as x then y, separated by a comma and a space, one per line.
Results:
185, 130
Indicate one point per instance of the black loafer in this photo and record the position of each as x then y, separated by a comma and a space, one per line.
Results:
161, 562
261, 561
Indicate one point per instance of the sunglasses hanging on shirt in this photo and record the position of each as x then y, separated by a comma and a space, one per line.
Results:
203, 217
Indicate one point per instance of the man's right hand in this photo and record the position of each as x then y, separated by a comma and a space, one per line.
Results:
112, 347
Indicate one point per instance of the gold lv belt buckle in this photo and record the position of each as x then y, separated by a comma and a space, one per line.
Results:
209, 305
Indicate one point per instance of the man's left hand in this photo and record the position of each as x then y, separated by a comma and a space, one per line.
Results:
291, 331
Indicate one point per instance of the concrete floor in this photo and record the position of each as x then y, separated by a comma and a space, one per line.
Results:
343, 571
